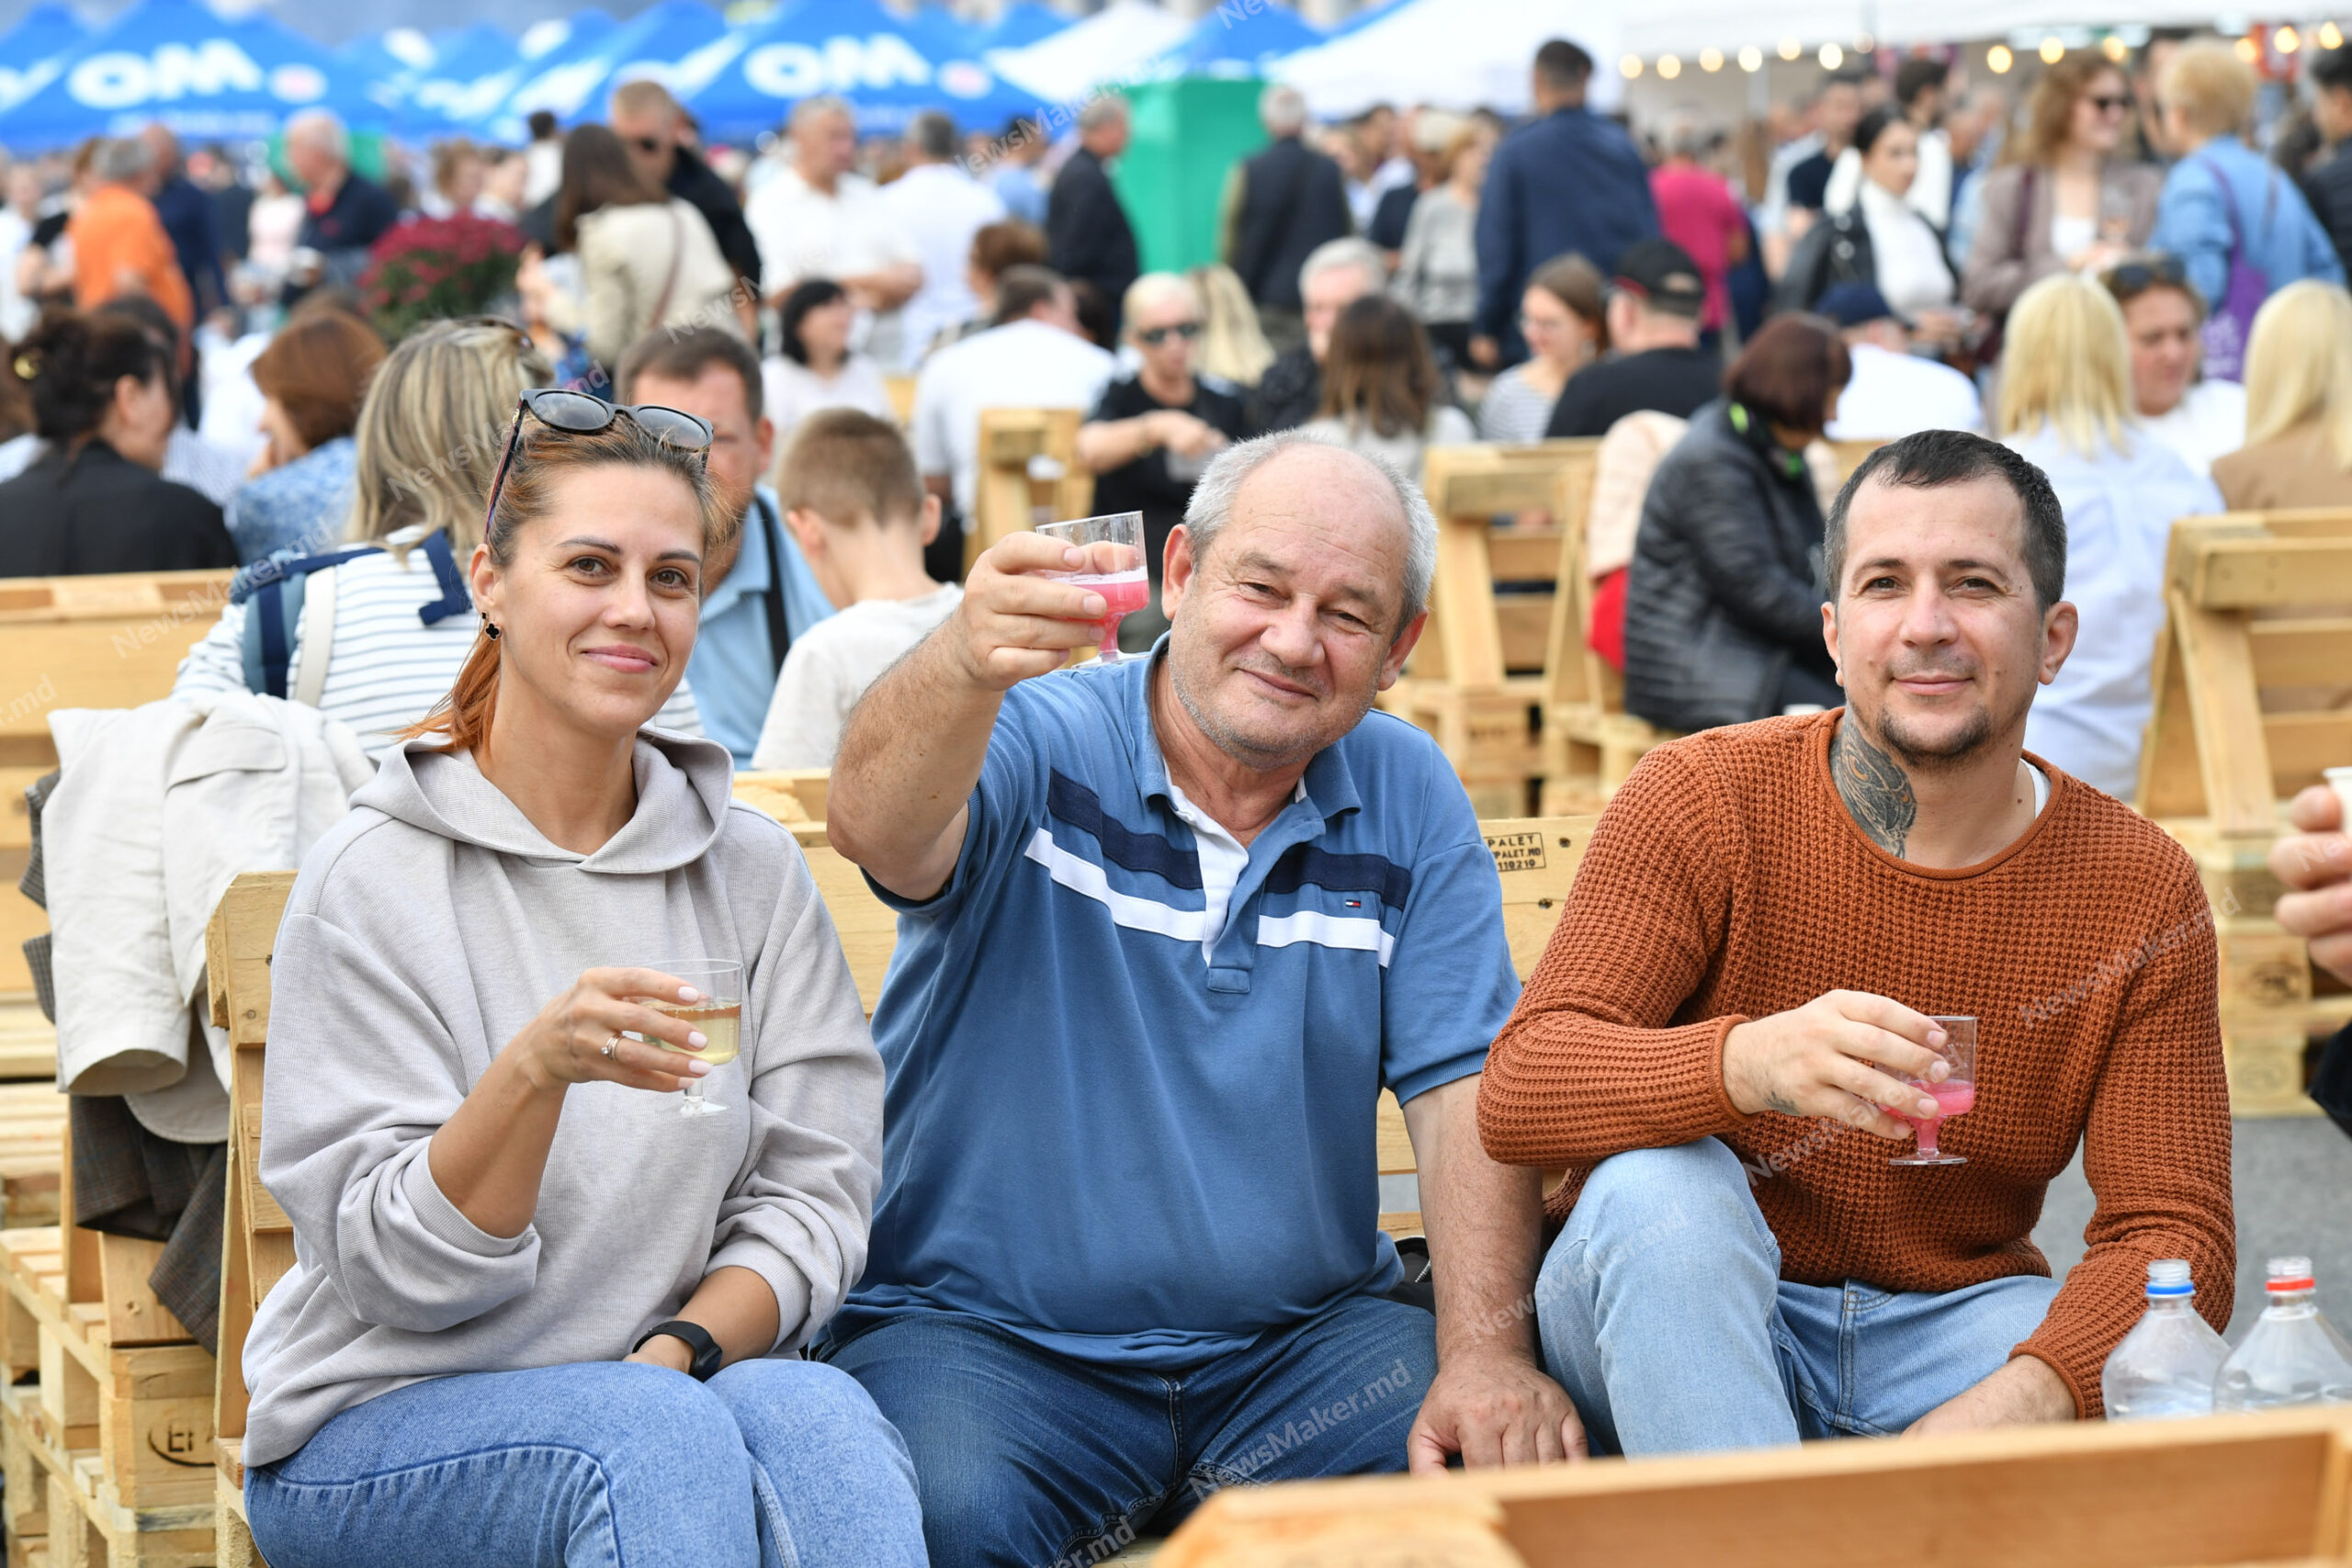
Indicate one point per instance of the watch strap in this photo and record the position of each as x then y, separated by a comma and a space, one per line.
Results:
708, 1355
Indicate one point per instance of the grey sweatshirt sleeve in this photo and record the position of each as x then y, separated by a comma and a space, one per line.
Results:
360, 1074
797, 1213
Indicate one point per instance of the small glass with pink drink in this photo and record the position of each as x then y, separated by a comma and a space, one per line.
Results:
1956, 1096
1114, 568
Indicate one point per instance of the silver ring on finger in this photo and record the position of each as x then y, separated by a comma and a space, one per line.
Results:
613, 1044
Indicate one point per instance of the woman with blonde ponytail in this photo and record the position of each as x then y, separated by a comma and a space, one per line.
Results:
386, 586
2298, 404
539, 1313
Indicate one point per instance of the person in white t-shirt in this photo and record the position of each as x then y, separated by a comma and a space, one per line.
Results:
2164, 317
815, 218
939, 208
1893, 392
1033, 358
850, 496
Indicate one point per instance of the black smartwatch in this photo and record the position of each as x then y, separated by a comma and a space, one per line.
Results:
708, 1355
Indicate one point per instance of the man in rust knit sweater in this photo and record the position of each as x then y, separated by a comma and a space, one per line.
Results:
1765, 922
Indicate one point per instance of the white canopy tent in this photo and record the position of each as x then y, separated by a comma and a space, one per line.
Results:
1684, 27
1113, 45
1457, 54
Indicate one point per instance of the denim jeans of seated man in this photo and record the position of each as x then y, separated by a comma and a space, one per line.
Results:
1663, 1315
1026, 1459
779, 1463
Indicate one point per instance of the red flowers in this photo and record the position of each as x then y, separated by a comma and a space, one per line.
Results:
427, 269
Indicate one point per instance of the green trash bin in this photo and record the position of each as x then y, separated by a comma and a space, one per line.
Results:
1188, 135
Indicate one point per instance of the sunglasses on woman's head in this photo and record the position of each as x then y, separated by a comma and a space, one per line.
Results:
1154, 336
2126, 279
577, 413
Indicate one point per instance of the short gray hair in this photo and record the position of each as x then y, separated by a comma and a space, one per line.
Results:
1350, 251
1101, 110
933, 134
121, 158
322, 129
1282, 108
1211, 507
807, 109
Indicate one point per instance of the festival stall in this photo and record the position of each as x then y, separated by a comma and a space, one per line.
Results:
888, 67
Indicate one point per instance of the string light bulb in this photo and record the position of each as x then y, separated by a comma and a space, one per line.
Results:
1668, 67
1791, 49
2330, 36
1866, 44
1710, 60
1998, 58
1751, 58
2286, 40
2053, 52
1832, 57
2248, 50
2114, 48
1630, 67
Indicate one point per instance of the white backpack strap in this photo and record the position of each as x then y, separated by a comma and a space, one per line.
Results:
317, 633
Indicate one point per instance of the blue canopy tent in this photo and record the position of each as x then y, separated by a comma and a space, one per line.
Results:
467, 76
34, 50
1235, 41
676, 39
177, 61
544, 46
889, 68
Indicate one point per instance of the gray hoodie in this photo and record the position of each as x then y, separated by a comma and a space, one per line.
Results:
424, 931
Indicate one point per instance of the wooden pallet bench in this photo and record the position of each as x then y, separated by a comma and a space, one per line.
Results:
1029, 474
2255, 652
118, 1435
2273, 1489
1535, 859
1475, 680
79, 642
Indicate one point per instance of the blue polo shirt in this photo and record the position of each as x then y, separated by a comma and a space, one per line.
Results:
733, 667
1123, 1149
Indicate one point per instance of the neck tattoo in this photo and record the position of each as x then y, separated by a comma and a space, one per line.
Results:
1877, 794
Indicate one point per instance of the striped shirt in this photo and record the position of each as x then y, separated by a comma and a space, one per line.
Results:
388, 668
1514, 411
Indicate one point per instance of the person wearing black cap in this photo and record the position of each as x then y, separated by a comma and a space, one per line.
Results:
1893, 392
1654, 305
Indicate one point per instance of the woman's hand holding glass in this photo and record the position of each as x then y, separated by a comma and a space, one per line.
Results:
572, 1039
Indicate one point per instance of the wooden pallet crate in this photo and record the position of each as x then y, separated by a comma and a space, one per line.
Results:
119, 1434
2274, 1001
105, 641
2273, 1489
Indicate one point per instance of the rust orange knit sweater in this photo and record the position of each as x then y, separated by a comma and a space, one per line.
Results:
1726, 882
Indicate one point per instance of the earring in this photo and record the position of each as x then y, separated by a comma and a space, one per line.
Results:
490, 629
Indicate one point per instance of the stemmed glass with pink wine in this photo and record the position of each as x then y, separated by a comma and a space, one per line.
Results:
1956, 1096
1114, 568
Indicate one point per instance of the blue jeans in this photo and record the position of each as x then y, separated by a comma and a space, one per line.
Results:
1027, 1458
1663, 1315
603, 1464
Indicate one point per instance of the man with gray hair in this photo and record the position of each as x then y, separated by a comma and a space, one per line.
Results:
1086, 233
939, 208
817, 217
1335, 275
1168, 926
343, 213
1278, 208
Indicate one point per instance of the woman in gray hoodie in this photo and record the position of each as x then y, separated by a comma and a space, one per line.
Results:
536, 1316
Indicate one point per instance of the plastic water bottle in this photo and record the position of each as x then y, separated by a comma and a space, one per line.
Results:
2165, 1367
2292, 1357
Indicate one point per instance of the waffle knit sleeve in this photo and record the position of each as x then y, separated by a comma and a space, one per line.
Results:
2155, 1149
1596, 1058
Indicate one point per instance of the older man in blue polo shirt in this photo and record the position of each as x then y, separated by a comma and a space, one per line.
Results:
1168, 926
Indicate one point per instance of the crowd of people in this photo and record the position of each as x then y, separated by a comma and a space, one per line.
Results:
1061, 1244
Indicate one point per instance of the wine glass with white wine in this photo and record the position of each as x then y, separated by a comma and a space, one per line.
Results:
716, 1011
